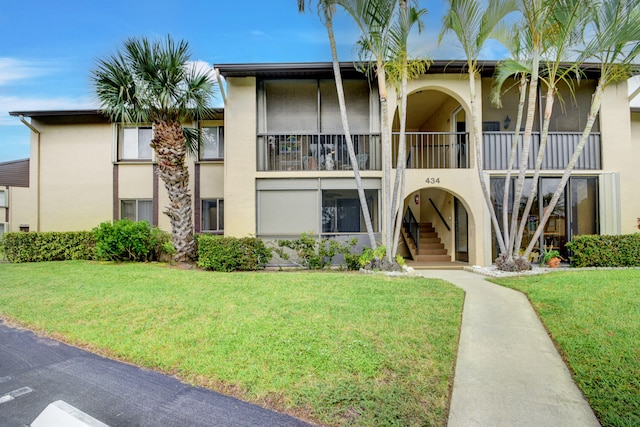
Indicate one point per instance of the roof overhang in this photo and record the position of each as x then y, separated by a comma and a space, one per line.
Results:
283, 70
85, 116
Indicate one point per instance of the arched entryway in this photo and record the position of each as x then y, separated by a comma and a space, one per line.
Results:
436, 228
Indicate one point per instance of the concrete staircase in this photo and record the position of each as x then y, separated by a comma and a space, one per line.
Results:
431, 249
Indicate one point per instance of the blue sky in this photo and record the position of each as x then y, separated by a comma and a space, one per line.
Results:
49, 47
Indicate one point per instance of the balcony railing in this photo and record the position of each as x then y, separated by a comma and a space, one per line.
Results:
435, 150
558, 151
316, 152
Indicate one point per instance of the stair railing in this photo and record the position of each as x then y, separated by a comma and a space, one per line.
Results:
413, 227
439, 214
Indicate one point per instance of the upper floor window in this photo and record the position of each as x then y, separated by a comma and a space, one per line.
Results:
212, 146
3, 199
134, 143
137, 210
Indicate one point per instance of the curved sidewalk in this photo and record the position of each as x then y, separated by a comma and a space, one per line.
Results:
508, 372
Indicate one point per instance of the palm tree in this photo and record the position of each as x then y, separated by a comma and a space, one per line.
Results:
153, 82
614, 31
473, 26
326, 9
400, 69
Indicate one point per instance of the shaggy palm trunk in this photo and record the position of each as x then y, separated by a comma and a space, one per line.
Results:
386, 155
170, 147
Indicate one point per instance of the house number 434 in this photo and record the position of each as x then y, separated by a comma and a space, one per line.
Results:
432, 180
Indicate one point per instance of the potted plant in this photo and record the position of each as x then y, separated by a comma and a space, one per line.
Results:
551, 258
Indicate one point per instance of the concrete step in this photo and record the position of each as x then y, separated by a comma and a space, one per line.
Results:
433, 258
431, 245
432, 251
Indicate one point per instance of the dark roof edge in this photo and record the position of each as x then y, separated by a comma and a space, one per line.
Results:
49, 113
292, 68
635, 109
74, 113
8, 162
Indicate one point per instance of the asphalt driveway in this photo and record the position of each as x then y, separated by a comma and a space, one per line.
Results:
36, 371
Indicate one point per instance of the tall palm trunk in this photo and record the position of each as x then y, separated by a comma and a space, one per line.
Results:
526, 143
512, 157
386, 156
170, 147
477, 132
401, 165
347, 133
536, 173
593, 112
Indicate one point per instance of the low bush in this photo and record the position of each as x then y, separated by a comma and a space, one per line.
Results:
125, 240
314, 253
48, 246
219, 253
605, 251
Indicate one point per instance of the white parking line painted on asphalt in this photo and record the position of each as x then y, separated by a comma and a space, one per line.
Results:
5, 379
15, 393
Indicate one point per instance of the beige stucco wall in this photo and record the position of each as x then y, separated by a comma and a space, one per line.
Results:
631, 180
461, 183
21, 209
212, 181
620, 153
75, 182
240, 157
135, 181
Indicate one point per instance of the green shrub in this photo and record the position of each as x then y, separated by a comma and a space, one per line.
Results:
605, 251
125, 240
314, 253
48, 246
219, 253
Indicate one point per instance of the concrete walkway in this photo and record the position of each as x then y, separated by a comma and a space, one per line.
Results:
508, 372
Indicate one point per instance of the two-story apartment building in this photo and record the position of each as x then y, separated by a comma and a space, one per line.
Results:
276, 164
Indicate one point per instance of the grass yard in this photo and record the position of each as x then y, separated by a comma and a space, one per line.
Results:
594, 318
332, 348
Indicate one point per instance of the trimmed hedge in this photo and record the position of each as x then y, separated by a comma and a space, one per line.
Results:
126, 240
605, 251
219, 253
48, 246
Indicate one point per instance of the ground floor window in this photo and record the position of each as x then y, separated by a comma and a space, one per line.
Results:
575, 213
212, 215
342, 213
137, 210
323, 206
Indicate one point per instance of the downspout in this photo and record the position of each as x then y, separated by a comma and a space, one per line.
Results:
222, 92
37, 132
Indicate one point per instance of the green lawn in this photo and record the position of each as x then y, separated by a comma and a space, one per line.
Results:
594, 318
334, 348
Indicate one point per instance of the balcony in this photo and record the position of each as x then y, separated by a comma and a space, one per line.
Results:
558, 151
434, 150
316, 152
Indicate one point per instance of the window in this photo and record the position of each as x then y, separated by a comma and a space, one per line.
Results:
137, 210
3, 199
213, 215
3, 227
135, 143
341, 212
212, 143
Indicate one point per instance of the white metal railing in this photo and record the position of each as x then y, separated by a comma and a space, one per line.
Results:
435, 150
558, 151
316, 152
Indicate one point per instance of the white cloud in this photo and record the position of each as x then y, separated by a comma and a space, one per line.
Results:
12, 69
8, 104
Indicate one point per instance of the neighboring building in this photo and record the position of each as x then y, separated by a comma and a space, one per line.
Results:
14, 192
276, 165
